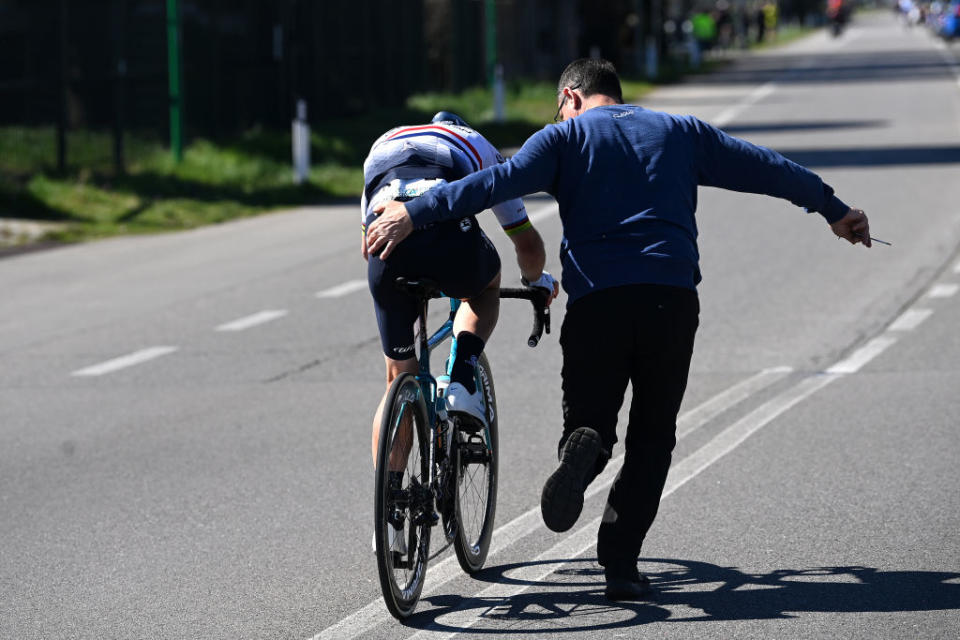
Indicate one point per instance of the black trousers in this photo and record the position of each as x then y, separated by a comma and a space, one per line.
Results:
642, 334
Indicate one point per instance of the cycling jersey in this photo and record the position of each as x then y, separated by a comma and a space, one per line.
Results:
404, 163
408, 161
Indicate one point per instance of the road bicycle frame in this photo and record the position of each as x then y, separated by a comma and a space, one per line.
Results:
428, 384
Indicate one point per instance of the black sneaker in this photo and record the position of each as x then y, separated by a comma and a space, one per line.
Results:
624, 588
562, 499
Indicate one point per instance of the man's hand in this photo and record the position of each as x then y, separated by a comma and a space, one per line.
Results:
388, 230
546, 282
853, 227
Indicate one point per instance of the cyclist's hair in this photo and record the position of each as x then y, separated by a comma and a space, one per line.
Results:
592, 76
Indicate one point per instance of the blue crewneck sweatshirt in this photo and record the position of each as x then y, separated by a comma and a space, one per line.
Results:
626, 179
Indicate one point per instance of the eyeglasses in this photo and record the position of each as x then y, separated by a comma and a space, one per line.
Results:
556, 118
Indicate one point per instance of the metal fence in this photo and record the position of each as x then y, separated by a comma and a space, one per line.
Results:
244, 62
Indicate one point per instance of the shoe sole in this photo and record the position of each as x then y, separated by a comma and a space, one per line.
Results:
467, 422
562, 499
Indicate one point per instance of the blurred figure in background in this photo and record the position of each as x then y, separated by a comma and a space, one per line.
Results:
838, 14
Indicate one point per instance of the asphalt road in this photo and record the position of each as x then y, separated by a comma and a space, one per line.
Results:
184, 419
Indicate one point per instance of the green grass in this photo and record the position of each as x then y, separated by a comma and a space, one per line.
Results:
242, 176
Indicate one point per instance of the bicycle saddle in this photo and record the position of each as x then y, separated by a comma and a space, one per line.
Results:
419, 288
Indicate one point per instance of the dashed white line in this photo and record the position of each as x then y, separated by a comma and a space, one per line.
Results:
856, 360
129, 360
253, 320
351, 286
943, 290
701, 415
752, 98
910, 319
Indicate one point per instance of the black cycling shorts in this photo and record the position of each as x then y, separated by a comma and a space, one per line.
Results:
457, 255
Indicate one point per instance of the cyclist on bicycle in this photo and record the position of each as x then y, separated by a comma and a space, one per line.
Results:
404, 163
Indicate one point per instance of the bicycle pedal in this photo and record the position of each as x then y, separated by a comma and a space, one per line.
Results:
474, 451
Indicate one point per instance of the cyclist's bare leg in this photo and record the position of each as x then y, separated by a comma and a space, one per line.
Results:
398, 457
479, 314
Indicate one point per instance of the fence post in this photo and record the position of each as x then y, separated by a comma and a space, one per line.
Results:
490, 9
175, 83
120, 73
62, 92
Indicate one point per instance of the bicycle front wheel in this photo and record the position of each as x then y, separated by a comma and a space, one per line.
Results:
403, 498
475, 459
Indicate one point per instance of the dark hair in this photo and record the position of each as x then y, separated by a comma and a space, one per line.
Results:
592, 76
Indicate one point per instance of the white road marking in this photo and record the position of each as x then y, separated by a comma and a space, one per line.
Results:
943, 290
258, 318
129, 360
856, 360
351, 286
755, 96
910, 319
585, 538
701, 415
443, 572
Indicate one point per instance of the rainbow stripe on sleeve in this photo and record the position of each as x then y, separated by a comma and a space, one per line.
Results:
516, 227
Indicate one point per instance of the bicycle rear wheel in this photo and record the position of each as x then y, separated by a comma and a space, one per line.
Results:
403, 498
475, 460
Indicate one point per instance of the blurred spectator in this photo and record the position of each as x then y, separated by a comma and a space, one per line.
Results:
761, 22
704, 29
724, 21
769, 10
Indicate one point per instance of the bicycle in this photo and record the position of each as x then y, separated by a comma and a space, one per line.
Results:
429, 462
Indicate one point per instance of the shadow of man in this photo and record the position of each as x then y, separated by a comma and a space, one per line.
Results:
571, 598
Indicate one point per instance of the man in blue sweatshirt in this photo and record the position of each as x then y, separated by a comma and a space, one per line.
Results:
625, 179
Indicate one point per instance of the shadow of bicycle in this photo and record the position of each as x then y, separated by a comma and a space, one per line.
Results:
571, 598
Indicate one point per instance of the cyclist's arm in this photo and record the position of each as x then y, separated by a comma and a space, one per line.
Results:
531, 256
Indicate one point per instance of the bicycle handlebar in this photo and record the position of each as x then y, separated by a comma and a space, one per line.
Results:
541, 312
426, 289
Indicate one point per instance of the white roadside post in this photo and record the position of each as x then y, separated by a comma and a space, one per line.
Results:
301, 144
498, 111
652, 58
693, 47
